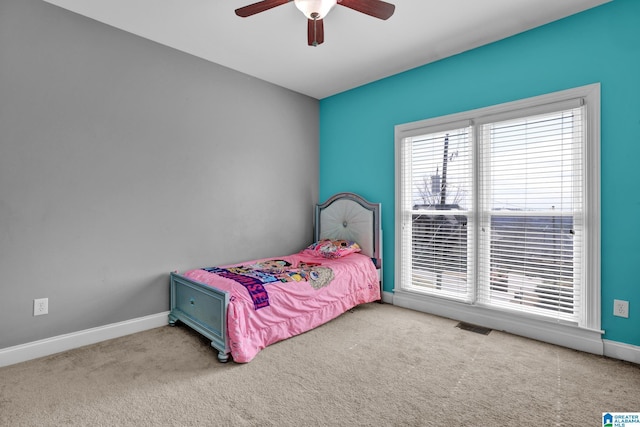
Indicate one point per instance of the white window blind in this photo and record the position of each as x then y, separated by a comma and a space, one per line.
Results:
437, 202
531, 213
498, 208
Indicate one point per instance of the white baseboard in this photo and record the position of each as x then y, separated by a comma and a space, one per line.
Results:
564, 335
387, 297
583, 340
622, 351
48, 346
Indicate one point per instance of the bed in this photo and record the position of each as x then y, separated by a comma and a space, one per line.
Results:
242, 308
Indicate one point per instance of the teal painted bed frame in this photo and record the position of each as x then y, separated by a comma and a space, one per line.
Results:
204, 308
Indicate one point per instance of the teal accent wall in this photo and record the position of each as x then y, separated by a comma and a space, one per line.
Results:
599, 45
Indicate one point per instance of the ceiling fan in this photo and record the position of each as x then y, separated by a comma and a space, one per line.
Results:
316, 10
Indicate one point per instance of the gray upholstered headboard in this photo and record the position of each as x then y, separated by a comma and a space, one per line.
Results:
350, 217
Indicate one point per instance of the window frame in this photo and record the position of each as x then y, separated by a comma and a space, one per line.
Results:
583, 335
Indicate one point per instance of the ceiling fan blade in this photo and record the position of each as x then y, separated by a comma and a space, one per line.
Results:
376, 8
258, 7
315, 32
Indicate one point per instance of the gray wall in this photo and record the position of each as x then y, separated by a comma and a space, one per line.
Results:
122, 160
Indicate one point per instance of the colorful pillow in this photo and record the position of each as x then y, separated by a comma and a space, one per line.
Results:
328, 248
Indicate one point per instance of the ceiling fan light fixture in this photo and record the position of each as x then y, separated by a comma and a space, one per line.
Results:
315, 9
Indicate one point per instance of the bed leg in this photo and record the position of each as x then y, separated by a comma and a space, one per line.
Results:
222, 356
172, 320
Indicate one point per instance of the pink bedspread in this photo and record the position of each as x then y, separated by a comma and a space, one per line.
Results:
294, 306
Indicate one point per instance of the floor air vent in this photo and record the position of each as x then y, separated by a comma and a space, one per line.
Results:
473, 328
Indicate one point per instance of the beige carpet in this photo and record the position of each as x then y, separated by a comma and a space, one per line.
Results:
378, 365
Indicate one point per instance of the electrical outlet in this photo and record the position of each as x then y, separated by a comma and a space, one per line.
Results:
40, 306
621, 308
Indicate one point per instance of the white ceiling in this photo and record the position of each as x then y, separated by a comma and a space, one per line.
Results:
358, 49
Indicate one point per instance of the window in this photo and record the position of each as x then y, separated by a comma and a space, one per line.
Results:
498, 208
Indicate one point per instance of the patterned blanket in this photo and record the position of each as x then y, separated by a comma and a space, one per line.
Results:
254, 277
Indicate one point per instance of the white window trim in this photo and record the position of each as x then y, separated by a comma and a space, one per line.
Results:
587, 337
